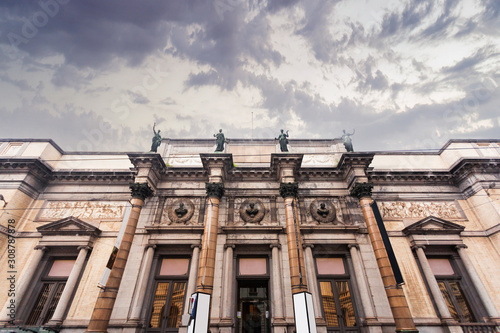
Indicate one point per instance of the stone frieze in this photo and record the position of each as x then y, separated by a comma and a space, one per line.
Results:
85, 210
419, 209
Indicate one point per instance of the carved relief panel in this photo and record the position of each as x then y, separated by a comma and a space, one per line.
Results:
419, 209
251, 211
84, 210
181, 211
321, 211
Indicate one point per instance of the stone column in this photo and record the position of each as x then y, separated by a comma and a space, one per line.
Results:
209, 243
361, 283
142, 283
397, 300
62, 305
227, 313
478, 284
311, 277
107, 297
193, 274
277, 304
295, 252
24, 283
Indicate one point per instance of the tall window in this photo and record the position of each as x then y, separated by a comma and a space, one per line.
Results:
450, 284
336, 295
169, 293
49, 291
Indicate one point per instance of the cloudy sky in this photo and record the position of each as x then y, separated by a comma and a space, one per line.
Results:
96, 74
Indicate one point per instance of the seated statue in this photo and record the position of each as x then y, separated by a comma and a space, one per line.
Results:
181, 211
323, 211
252, 211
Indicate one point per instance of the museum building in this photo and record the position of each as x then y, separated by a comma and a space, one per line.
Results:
118, 242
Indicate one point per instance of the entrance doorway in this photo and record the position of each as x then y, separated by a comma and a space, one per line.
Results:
253, 306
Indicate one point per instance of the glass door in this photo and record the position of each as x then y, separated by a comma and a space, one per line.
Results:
253, 307
167, 307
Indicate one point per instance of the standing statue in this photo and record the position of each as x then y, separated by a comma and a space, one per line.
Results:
219, 141
282, 138
156, 140
346, 137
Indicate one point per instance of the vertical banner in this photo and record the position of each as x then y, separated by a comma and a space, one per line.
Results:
387, 244
105, 276
200, 303
305, 321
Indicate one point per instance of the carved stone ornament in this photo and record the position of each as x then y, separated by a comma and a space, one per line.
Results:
419, 209
252, 211
361, 190
289, 190
140, 190
215, 190
86, 210
181, 211
323, 211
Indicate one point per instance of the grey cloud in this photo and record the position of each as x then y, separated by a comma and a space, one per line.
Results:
467, 28
21, 84
70, 129
168, 101
92, 33
491, 9
444, 21
227, 46
137, 98
70, 76
412, 15
469, 62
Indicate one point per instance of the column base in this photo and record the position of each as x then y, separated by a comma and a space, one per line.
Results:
226, 322
54, 323
372, 321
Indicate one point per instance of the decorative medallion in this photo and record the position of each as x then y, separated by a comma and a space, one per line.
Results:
180, 211
323, 211
252, 211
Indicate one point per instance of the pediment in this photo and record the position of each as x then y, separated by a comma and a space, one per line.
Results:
433, 225
69, 226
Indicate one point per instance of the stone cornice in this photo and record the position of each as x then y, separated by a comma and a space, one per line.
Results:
331, 174
416, 177
466, 167
350, 160
217, 159
285, 161
217, 165
185, 173
148, 160
93, 176
34, 166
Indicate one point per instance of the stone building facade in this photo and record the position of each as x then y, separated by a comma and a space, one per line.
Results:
63, 213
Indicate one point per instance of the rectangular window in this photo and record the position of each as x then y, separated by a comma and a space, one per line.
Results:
51, 287
450, 285
169, 293
334, 284
253, 266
